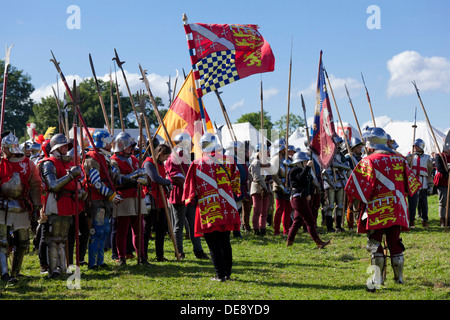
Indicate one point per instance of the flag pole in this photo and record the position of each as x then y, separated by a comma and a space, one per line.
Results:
339, 116
225, 115
194, 68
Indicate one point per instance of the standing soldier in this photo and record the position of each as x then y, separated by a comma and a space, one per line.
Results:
126, 212
442, 161
214, 178
422, 166
335, 179
283, 207
353, 158
59, 176
379, 185
101, 195
19, 183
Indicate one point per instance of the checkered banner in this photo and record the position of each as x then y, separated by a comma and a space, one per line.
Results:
222, 53
215, 71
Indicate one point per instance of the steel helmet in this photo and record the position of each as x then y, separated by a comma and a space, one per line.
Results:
279, 145
123, 141
57, 141
209, 143
376, 138
102, 138
300, 156
11, 142
183, 140
354, 142
420, 143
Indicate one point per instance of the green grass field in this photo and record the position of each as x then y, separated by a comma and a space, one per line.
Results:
263, 269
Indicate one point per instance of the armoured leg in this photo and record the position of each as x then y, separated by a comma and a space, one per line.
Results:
56, 239
378, 261
397, 262
19, 252
3, 249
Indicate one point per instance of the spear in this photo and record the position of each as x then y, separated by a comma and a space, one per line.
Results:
111, 97
119, 104
5, 81
225, 115
147, 126
169, 91
414, 130
141, 102
99, 94
175, 86
287, 117
61, 125
444, 162
80, 116
304, 115
120, 63
368, 99
356, 118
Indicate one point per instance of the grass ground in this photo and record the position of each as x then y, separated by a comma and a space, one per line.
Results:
263, 269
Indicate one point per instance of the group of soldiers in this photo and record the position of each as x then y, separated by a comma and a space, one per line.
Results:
43, 189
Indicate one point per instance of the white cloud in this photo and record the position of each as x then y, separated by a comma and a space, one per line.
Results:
158, 85
337, 85
429, 73
237, 104
269, 93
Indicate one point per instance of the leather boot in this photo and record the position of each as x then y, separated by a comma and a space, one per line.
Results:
321, 244
339, 224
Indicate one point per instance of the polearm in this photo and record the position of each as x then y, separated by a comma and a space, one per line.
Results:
356, 119
139, 185
111, 97
61, 124
147, 127
99, 94
119, 104
169, 91
444, 162
368, 99
287, 118
414, 131
120, 63
304, 115
225, 115
5, 82
174, 87
339, 116
80, 116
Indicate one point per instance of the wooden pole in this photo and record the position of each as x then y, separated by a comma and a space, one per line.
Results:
368, 99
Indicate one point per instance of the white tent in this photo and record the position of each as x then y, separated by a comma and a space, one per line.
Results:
402, 132
298, 138
243, 131
350, 131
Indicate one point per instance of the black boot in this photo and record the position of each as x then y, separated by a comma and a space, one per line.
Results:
329, 221
339, 224
262, 232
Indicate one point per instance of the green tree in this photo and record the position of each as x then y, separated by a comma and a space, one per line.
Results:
45, 112
18, 104
295, 121
255, 120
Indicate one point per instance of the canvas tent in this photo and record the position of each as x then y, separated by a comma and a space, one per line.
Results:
298, 138
243, 131
402, 132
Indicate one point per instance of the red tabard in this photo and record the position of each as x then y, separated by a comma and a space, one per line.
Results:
7, 169
125, 168
154, 186
95, 195
382, 182
66, 202
216, 208
439, 180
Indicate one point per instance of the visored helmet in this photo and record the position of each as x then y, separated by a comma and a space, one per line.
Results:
209, 143
183, 140
57, 141
11, 142
102, 138
300, 156
376, 138
123, 141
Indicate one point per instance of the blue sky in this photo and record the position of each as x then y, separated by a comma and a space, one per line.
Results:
411, 45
